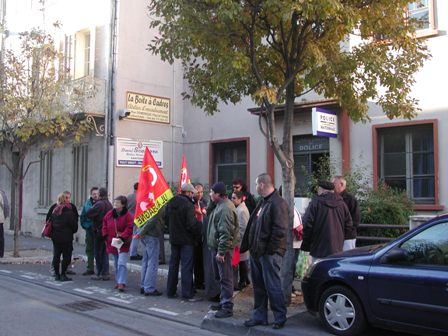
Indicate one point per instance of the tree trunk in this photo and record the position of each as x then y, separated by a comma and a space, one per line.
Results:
287, 272
17, 160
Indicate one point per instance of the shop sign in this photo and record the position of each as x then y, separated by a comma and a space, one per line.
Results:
148, 108
130, 152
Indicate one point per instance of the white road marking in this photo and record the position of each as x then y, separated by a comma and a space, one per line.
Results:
5, 271
54, 283
118, 300
163, 311
82, 291
28, 277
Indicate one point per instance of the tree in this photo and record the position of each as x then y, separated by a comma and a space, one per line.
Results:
38, 107
278, 50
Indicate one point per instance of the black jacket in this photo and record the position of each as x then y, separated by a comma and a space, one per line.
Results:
183, 227
325, 225
353, 208
97, 213
267, 227
64, 226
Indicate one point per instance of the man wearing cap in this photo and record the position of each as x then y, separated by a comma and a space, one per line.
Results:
222, 237
326, 222
184, 230
265, 238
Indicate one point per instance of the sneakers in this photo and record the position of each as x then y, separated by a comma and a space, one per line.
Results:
277, 325
88, 272
223, 313
253, 323
136, 257
153, 293
65, 278
215, 307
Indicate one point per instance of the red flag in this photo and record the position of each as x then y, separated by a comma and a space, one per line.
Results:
153, 191
184, 177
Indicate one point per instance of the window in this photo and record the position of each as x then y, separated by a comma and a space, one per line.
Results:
429, 247
82, 54
310, 161
229, 161
422, 13
406, 160
79, 187
45, 171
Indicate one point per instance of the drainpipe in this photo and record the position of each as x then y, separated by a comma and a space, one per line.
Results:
109, 118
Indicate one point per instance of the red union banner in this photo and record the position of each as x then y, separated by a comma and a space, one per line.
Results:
153, 191
184, 177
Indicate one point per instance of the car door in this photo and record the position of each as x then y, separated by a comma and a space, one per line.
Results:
414, 292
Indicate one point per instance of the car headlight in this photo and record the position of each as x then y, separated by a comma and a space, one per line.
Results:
311, 268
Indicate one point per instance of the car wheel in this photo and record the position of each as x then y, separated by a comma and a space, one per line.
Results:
341, 312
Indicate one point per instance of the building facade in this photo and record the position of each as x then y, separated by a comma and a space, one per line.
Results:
136, 101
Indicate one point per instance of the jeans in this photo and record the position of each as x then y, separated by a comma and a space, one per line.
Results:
133, 249
150, 263
225, 273
89, 249
267, 286
64, 249
182, 254
101, 256
121, 270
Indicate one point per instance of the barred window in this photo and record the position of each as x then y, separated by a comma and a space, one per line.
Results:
80, 164
45, 171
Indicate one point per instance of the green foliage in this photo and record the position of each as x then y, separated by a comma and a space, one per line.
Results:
385, 205
39, 104
231, 49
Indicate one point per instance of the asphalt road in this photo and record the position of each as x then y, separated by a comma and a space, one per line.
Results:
37, 309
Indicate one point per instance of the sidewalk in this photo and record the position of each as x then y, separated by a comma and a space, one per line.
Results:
39, 251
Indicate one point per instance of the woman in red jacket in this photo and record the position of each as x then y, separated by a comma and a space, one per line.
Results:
117, 223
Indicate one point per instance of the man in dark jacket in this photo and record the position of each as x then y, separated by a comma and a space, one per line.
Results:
96, 214
184, 230
265, 237
326, 222
340, 185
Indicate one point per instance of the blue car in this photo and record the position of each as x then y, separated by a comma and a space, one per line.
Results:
402, 285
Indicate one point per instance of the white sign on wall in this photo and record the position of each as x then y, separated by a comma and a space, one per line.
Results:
130, 152
325, 122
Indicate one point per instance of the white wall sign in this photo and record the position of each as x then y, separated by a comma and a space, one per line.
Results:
325, 122
130, 152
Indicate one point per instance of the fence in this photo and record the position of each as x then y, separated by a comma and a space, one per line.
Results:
400, 229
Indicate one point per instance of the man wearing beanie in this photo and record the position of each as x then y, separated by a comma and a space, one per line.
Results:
326, 222
222, 233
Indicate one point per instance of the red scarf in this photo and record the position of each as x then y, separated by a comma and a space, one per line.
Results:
58, 209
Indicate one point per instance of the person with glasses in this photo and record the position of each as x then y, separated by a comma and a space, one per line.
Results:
248, 198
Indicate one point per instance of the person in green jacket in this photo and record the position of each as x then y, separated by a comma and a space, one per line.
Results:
222, 237
86, 224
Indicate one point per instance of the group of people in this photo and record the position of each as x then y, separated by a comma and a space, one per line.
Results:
241, 241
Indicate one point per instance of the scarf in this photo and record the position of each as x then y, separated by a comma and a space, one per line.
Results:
58, 209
